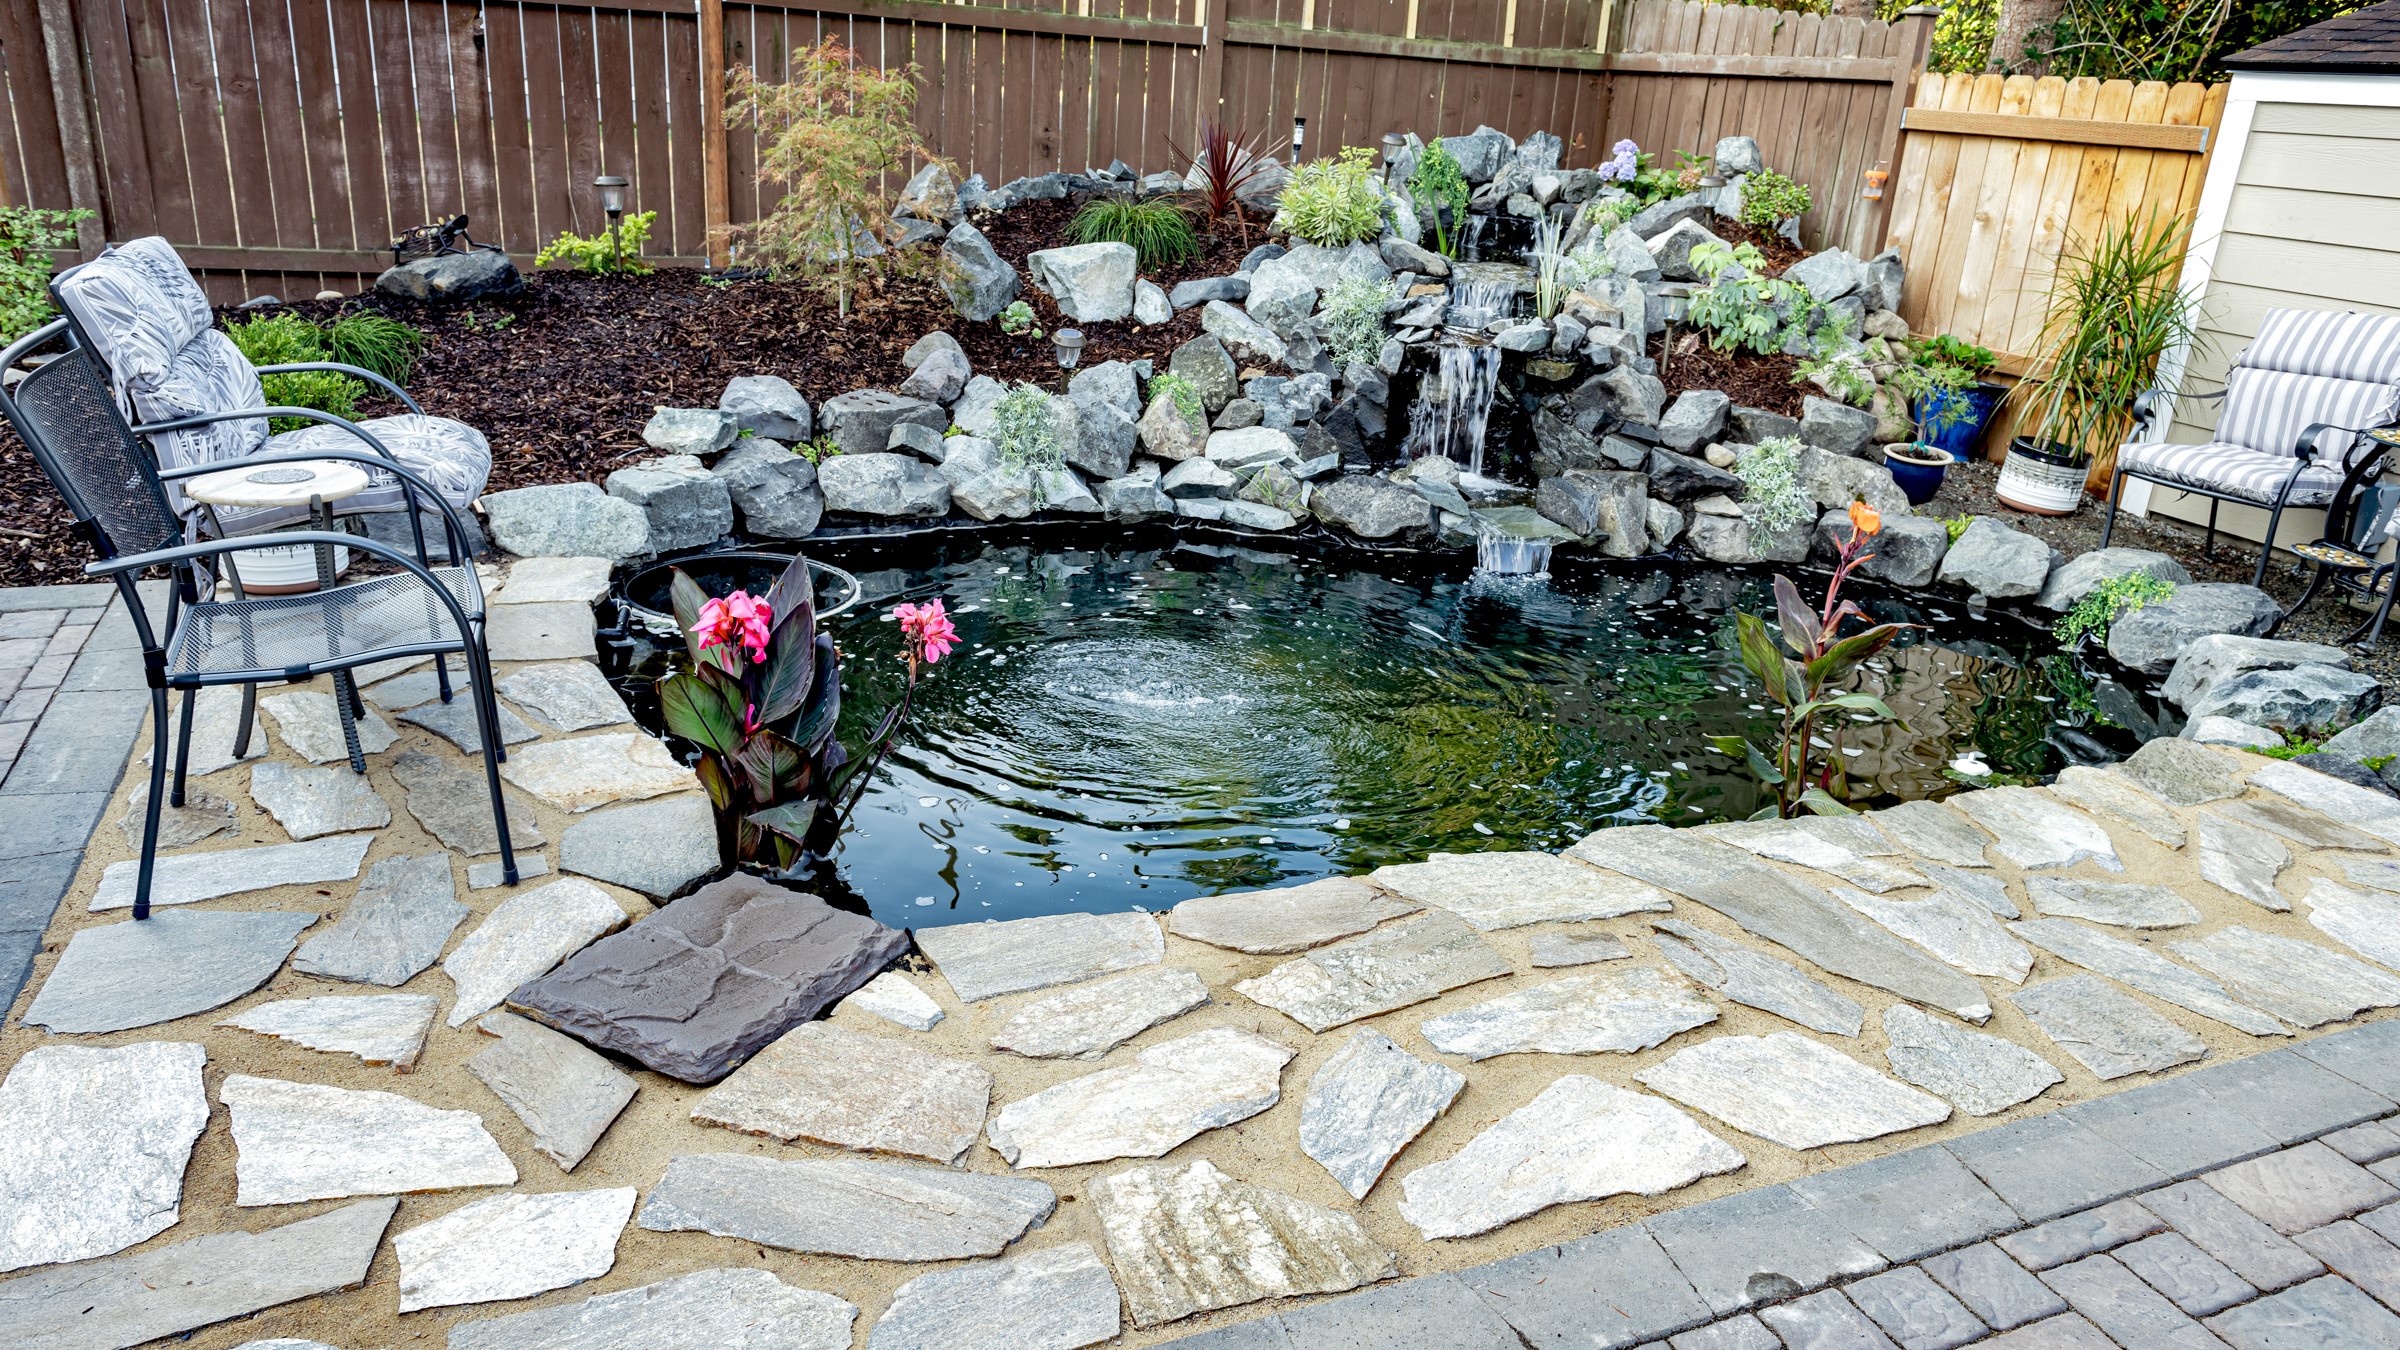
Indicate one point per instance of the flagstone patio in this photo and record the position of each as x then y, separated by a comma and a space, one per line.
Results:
343, 1086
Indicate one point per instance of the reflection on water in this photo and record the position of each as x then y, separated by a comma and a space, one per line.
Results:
1131, 727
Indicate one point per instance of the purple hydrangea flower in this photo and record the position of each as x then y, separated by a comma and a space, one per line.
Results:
1624, 164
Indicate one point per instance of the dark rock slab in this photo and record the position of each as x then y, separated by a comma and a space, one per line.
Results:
172, 964
705, 983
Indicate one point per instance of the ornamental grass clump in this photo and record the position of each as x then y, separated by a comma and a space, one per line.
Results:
1225, 168
2117, 307
1333, 203
1159, 230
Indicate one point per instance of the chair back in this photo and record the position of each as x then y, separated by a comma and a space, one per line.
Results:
2309, 366
65, 414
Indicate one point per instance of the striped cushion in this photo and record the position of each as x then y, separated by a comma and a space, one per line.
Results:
2267, 409
2320, 342
2234, 469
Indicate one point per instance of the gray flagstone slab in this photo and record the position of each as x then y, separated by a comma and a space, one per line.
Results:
2300, 825
2300, 982
2034, 829
524, 937
705, 1310
2360, 809
1777, 907
555, 581
1784, 841
1855, 833
986, 960
1581, 1139
456, 723
312, 802
1087, 1022
172, 964
2120, 904
2107, 1030
1058, 1298
2367, 922
1621, 1010
2113, 794
566, 1095
378, 1028
2381, 873
1984, 888
1171, 1092
569, 695
403, 692
203, 815
1288, 918
305, 1141
1952, 927
93, 1145
835, 1086
1492, 891
1933, 831
2243, 859
511, 1246
143, 1296
188, 878
896, 998
1408, 962
1550, 950
1367, 1103
1979, 1074
484, 876
311, 725
2185, 773
1789, 1089
214, 719
598, 770
1186, 1238
657, 847
2147, 971
395, 927
876, 1211
453, 802
1757, 980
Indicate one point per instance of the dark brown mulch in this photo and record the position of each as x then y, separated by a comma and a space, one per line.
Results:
1750, 380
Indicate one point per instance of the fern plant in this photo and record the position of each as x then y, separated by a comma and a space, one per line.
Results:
1159, 229
1333, 202
1352, 312
620, 256
1438, 183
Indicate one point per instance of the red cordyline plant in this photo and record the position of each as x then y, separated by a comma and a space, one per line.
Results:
1799, 672
1227, 166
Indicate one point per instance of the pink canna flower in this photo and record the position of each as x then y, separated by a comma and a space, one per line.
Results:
927, 630
739, 620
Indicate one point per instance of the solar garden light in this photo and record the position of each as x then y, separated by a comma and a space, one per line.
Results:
612, 201
1299, 134
1393, 144
1069, 342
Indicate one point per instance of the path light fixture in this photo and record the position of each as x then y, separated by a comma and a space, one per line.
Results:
612, 202
1069, 344
1299, 135
1394, 145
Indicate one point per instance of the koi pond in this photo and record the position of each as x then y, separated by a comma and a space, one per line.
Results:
1132, 724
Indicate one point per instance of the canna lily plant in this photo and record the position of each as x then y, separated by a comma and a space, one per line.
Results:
1802, 673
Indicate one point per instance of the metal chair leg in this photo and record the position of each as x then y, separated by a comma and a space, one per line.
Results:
441, 674
2383, 612
487, 703
183, 745
2266, 551
2208, 541
2116, 493
158, 789
241, 729
2316, 582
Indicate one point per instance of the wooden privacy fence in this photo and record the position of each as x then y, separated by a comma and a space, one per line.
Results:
283, 145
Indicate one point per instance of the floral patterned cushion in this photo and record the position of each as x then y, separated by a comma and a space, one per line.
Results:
138, 305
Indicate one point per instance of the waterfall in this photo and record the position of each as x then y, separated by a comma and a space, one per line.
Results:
1509, 555
1454, 402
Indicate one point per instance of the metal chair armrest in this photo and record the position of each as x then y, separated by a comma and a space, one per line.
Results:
355, 371
278, 410
409, 482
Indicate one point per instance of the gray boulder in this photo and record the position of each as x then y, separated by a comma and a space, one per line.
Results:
931, 194
768, 405
1558, 447
1199, 292
1721, 532
1908, 552
1001, 492
1596, 503
1150, 305
1753, 425
689, 431
1695, 420
1661, 216
1282, 296
940, 378
1630, 256
1402, 256
1996, 562
1835, 481
1634, 397
452, 279
2152, 637
977, 404
1480, 155
920, 440
1532, 335
1092, 283
923, 349
2376, 737
1836, 428
1257, 515
1881, 279
2228, 731
2210, 660
1737, 155
1671, 249
774, 491
1199, 478
1134, 495
965, 458
1110, 382
1165, 432
2356, 775
1682, 479
861, 421
1205, 362
1663, 523
979, 282
1096, 437
2079, 576
1828, 276
1062, 490
1371, 507
879, 484
686, 505
2295, 698
1239, 413
1244, 337
1248, 446
566, 520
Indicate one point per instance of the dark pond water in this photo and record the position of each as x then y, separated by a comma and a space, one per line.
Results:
1132, 726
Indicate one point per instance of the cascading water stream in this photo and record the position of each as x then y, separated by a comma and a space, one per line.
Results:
1455, 400
1508, 555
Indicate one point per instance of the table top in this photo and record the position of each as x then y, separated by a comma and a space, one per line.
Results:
290, 484
2387, 435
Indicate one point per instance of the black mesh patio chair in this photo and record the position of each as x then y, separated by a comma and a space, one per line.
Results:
2349, 558
64, 411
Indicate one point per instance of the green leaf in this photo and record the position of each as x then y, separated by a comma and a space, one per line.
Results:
1846, 655
696, 709
1822, 802
1798, 620
771, 763
791, 819
719, 784
1764, 661
687, 598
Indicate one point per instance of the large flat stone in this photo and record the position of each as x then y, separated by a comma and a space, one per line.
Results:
172, 964
1509, 890
166, 1291
705, 1310
453, 801
394, 927
1960, 931
2300, 982
2111, 793
1287, 919
569, 695
378, 1028
2106, 1030
1932, 830
705, 983
1984, 888
93, 1144
2310, 829
2033, 829
203, 815
831, 1085
555, 581
1780, 909
656, 847
214, 720
1581, 1139
1408, 962
2185, 773
1171, 1092
1549, 951
311, 802
1187, 1238
2147, 971
543, 631
1087, 1022
1620, 1010
1785, 841
1756, 980
1792, 1090
189, 878
2367, 922
311, 724
986, 960
566, 1095
526, 935
2116, 903
511, 1246
1058, 1298
303, 1141
2354, 806
2243, 859
589, 771
896, 999
1979, 1074
457, 723
876, 1211
1366, 1103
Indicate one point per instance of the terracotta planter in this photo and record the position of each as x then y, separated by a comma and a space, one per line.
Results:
2045, 479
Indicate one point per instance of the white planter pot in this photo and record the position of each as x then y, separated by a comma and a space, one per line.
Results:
283, 571
2035, 483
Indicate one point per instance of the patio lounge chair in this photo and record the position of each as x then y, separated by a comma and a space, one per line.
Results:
67, 416
2293, 404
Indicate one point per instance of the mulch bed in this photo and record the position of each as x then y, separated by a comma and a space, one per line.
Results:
1750, 380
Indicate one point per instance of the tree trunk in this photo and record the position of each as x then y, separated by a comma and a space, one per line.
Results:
2019, 22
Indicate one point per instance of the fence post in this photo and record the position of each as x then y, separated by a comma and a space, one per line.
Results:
65, 52
716, 192
1916, 40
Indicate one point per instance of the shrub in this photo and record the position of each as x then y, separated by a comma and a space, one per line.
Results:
1353, 316
1187, 400
1227, 166
1333, 202
2111, 600
1957, 525
372, 342
27, 235
1435, 184
1773, 496
1024, 431
1745, 310
1770, 197
1159, 230
621, 256
1947, 350
288, 339
833, 132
